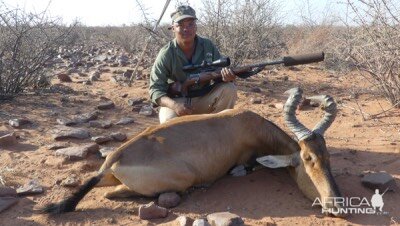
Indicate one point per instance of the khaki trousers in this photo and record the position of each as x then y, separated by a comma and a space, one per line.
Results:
223, 96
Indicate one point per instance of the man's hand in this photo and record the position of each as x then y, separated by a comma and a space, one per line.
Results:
182, 109
227, 75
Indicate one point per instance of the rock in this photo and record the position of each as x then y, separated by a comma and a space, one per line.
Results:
66, 132
66, 122
238, 171
106, 151
380, 180
169, 200
7, 191
100, 124
201, 222
127, 73
7, 202
31, 188
78, 152
255, 90
8, 140
63, 77
57, 146
152, 211
304, 103
119, 136
106, 105
94, 77
87, 117
255, 100
146, 110
179, 221
125, 121
224, 219
102, 139
135, 101
183, 221
18, 122
71, 181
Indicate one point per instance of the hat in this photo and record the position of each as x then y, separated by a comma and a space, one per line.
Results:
183, 12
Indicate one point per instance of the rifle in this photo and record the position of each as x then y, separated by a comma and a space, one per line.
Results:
212, 75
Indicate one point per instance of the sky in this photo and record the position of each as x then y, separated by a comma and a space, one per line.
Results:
126, 12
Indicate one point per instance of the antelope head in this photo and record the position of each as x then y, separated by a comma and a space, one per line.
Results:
310, 166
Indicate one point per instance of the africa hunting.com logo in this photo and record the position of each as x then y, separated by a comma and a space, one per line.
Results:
353, 205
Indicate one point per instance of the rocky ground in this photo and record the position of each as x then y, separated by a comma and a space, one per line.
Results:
55, 139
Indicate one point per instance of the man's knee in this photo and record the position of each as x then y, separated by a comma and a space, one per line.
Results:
228, 89
228, 93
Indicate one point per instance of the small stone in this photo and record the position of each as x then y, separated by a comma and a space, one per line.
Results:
31, 188
7, 202
100, 124
66, 132
66, 122
119, 136
135, 101
125, 121
71, 181
255, 100
102, 139
57, 146
224, 219
78, 152
17, 123
87, 117
169, 200
255, 90
63, 77
106, 105
146, 110
304, 103
380, 180
238, 171
152, 211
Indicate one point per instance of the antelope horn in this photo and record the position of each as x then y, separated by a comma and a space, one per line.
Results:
289, 111
329, 105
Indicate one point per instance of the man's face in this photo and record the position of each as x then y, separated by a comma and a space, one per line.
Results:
185, 30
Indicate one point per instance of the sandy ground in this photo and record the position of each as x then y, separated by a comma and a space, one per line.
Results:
265, 197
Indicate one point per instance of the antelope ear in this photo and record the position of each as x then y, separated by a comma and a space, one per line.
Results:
279, 161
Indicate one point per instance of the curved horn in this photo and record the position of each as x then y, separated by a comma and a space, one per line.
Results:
329, 105
289, 110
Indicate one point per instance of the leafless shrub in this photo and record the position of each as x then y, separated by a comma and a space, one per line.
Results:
243, 29
27, 43
374, 45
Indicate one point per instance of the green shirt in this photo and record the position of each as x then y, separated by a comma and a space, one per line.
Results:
168, 65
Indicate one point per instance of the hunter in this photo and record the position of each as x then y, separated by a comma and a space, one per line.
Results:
189, 48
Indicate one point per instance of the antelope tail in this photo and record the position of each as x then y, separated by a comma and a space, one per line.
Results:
69, 204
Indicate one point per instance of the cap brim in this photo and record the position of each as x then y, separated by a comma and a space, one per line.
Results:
183, 17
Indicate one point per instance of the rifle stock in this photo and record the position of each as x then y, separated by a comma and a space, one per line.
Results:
182, 89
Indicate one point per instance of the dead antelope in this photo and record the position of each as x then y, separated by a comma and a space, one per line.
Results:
198, 149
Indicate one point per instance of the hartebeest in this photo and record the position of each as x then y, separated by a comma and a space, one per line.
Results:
198, 149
